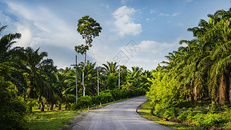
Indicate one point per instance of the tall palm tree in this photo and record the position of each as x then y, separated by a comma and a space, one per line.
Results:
9, 57
37, 75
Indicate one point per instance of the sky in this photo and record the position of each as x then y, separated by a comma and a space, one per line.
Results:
134, 32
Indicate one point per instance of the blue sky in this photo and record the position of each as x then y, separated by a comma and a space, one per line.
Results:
141, 32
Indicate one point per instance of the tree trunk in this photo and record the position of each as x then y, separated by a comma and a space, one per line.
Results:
42, 106
60, 106
84, 89
30, 108
52, 106
222, 90
229, 89
195, 93
39, 106
65, 100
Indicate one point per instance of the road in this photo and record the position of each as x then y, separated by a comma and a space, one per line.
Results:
118, 116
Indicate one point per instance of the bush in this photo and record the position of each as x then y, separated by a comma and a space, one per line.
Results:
185, 115
170, 113
214, 109
95, 99
71, 98
83, 102
116, 94
208, 120
105, 97
12, 115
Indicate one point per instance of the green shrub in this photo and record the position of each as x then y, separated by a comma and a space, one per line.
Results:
111, 81
12, 115
208, 120
71, 98
214, 109
105, 96
185, 115
83, 102
95, 99
116, 94
170, 113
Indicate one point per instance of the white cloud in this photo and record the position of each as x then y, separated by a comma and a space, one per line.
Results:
175, 14
153, 11
163, 14
152, 53
26, 35
38, 25
147, 19
124, 23
150, 19
147, 54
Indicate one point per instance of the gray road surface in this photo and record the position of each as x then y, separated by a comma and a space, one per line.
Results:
118, 116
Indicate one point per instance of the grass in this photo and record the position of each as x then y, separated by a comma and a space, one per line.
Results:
51, 120
55, 119
144, 111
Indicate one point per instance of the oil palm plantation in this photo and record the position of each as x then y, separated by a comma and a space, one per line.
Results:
203, 66
40, 75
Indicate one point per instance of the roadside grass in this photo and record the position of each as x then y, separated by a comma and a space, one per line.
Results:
51, 120
56, 119
145, 111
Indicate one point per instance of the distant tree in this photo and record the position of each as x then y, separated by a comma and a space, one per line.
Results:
88, 28
110, 67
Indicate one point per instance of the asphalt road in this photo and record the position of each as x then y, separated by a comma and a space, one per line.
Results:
118, 116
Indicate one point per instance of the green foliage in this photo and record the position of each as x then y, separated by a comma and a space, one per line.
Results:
164, 92
185, 115
196, 73
12, 112
170, 113
208, 120
111, 81
31, 102
214, 109
116, 94
83, 102
71, 98
88, 28
105, 97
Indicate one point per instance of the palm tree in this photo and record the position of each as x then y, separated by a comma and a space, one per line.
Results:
215, 34
110, 72
110, 67
91, 78
37, 74
133, 78
9, 57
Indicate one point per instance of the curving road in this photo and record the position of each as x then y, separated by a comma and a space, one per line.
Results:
118, 116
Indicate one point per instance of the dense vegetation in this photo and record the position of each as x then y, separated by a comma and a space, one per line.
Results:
194, 86
28, 80
196, 75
